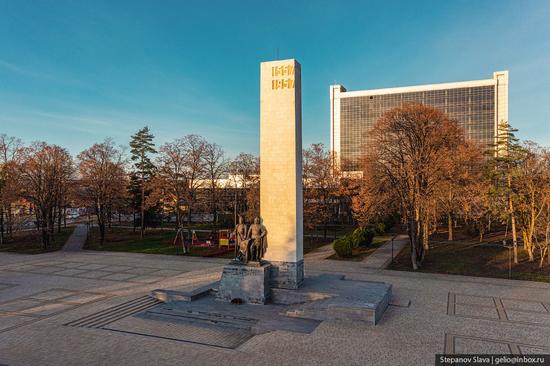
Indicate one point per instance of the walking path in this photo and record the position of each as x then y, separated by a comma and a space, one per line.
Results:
77, 239
320, 253
377, 260
383, 255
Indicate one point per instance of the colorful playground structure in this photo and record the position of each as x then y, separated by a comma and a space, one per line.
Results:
221, 239
216, 237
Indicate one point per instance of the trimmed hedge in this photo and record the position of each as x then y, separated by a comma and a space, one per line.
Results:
362, 237
343, 247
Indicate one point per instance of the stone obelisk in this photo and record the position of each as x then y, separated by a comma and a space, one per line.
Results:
281, 198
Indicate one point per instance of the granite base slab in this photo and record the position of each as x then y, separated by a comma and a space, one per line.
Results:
245, 283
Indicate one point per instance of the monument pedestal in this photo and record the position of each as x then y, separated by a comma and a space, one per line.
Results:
287, 275
249, 283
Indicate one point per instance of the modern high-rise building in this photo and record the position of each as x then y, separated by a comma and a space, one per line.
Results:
478, 106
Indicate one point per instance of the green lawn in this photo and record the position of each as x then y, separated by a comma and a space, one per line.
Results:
30, 242
154, 242
471, 258
311, 244
314, 238
171, 225
359, 254
159, 241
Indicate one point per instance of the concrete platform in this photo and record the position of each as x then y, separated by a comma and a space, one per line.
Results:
334, 297
323, 297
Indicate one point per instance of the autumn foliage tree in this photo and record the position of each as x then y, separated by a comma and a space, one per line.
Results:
412, 145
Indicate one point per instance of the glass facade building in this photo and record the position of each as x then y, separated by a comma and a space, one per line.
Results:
478, 106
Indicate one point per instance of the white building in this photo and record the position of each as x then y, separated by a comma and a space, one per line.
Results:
478, 106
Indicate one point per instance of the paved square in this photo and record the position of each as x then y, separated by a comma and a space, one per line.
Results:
47, 309
470, 344
19, 305
147, 279
523, 305
51, 294
75, 307
11, 321
119, 276
71, 272
4, 286
501, 309
105, 271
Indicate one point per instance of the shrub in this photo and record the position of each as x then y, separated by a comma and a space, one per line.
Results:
343, 247
362, 237
380, 228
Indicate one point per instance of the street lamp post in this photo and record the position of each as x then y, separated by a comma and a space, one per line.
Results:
506, 245
392, 250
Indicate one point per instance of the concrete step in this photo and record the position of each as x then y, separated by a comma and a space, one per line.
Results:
212, 318
187, 296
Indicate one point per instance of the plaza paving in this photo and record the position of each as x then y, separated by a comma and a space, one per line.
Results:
86, 308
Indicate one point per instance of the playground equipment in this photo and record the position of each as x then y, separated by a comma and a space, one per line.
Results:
223, 238
179, 235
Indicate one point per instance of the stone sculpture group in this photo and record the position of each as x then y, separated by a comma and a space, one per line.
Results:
251, 244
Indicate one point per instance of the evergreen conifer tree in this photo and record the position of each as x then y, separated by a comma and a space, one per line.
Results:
141, 146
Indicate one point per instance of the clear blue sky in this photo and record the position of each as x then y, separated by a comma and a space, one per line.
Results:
76, 72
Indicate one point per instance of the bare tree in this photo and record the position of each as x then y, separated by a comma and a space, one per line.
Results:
321, 182
44, 170
215, 167
194, 169
103, 180
542, 228
10, 158
531, 193
412, 145
245, 173
461, 171
476, 204
181, 172
170, 183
